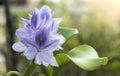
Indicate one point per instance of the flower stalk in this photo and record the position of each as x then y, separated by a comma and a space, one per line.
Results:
30, 69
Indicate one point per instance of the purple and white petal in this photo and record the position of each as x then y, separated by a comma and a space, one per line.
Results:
51, 45
19, 47
55, 24
59, 38
57, 20
25, 22
41, 59
53, 62
35, 18
22, 33
38, 59
49, 58
30, 53
45, 13
46, 58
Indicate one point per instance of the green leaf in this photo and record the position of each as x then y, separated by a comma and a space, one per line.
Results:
12, 73
86, 57
67, 32
62, 59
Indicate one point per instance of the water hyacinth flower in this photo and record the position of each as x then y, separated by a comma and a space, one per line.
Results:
39, 37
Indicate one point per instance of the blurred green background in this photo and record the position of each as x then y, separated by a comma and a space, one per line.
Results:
98, 22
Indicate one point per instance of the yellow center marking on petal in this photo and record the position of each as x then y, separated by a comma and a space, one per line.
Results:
44, 16
41, 39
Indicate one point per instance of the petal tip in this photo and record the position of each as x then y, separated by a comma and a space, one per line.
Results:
18, 47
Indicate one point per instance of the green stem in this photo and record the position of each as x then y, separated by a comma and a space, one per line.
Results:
51, 71
48, 71
57, 71
30, 68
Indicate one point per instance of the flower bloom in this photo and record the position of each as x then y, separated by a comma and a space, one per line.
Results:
39, 37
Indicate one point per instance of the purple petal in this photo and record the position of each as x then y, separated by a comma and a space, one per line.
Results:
57, 20
25, 22
51, 45
30, 53
28, 42
19, 47
45, 58
45, 13
40, 38
55, 24
22, 33
54, 62
59, 38
38, 59
34, 18
48, 58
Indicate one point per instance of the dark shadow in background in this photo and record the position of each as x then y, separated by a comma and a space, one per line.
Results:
11, 58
